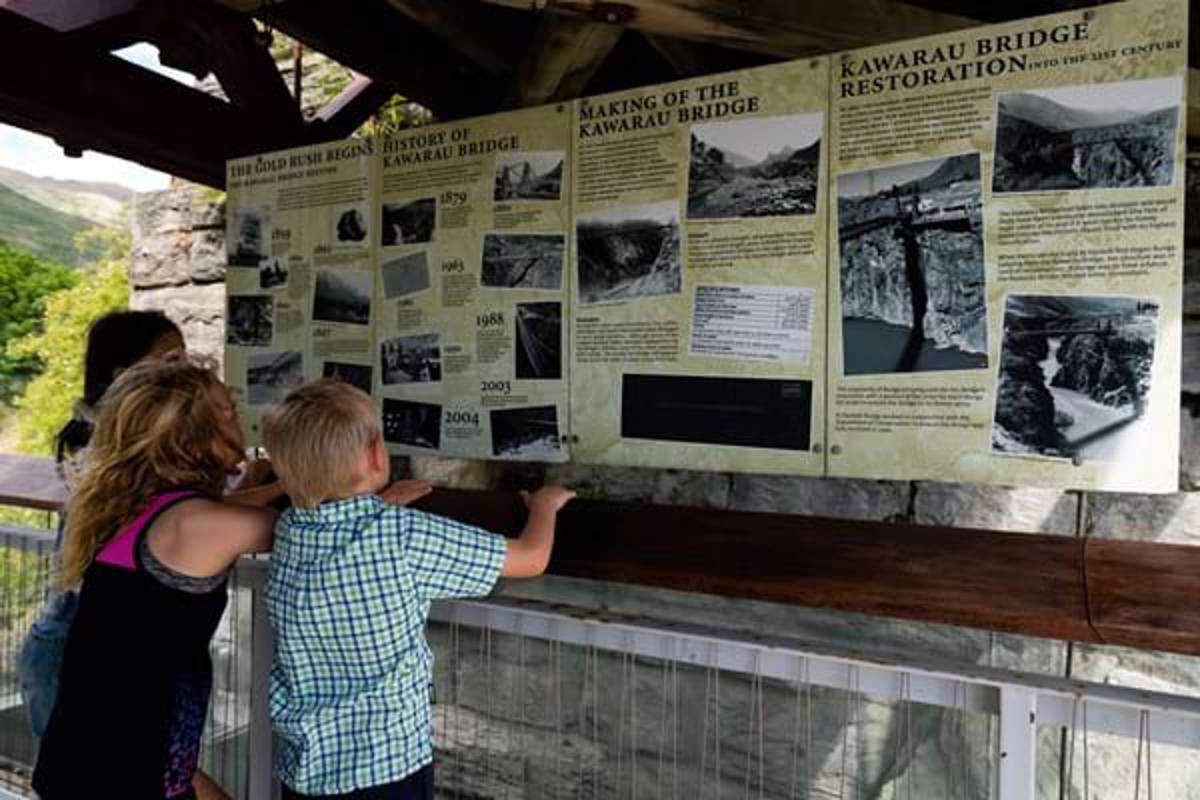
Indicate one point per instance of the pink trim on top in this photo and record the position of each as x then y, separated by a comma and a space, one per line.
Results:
119, 550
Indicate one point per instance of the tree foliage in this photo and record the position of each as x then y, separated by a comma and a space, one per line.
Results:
26, 281
59, 342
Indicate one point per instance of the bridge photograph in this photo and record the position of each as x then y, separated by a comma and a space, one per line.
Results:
529, 175
1098, 136
525, 432
523, 261
1075, 377
910, 240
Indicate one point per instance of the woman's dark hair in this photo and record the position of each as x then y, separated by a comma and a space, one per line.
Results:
115, 341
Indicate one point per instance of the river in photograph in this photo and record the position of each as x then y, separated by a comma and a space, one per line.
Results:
872, 347
1125, 431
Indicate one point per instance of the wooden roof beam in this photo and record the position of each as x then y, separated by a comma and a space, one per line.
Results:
96, 101
350, 109
489, 37
565, 54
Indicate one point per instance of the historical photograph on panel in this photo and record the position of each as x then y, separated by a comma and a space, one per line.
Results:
248, 236
273, 273
741, 412
413, 424
410, 222
357, 375
522, 261
526, 433
411, 359
343, 296
762, 167
529, 175
539, 341
910, 238
270, 376
1098, 136
1075, 377
249, 320
350, 224
406, 275
629, 252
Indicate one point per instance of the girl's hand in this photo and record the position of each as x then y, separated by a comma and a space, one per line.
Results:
549, 499
257, 473
401, 493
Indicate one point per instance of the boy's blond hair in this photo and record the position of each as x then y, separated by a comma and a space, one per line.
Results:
316, 437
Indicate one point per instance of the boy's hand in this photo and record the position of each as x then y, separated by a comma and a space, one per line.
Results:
549, 499
401, 493
257, 472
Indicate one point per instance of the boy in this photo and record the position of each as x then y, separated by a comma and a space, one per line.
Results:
352, 576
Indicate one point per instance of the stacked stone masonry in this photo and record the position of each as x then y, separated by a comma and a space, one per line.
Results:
178, 265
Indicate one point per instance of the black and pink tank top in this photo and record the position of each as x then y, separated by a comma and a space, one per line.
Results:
135, 682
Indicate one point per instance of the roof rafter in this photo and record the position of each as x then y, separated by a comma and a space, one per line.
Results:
565, 54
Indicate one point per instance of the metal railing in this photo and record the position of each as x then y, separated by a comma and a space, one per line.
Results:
539, 701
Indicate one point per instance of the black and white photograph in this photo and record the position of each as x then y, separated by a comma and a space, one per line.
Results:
249, 320
629, 252
1096, 136
411, 222
523, 261
539, 341
343, 295
405, 275
910, 238
1075, 377
357, 375
248, 236
413, 424
350, 224
760, 167
273, 273
270, 376
533, 175
525, 433
411, 359
738, 412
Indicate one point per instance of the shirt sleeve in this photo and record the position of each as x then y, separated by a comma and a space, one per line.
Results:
449, 559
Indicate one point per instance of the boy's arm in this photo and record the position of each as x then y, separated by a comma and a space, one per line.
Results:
528, 554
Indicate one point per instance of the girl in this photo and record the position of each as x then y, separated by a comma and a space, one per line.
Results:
152, 545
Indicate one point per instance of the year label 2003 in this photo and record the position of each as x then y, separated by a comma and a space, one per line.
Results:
495, 387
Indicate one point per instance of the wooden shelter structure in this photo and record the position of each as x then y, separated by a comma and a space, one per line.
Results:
462, 58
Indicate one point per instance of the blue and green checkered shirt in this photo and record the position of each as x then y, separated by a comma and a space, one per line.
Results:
348, 595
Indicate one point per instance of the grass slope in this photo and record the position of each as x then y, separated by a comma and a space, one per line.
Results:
41, 230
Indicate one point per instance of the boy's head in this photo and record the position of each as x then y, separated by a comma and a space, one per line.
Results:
325, 443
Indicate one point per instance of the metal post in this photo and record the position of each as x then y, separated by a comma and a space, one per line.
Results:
262, 751
1017, 756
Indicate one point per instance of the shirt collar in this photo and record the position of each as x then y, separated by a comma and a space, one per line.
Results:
336, 511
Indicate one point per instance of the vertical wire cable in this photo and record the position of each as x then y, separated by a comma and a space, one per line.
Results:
800, 667
662, 720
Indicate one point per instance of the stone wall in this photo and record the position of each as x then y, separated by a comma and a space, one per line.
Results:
178, 265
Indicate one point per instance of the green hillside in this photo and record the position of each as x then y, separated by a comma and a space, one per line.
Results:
41, 230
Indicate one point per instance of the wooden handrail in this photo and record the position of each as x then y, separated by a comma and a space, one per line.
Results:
1135, 594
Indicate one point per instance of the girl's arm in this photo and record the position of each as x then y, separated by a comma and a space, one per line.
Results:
204, 537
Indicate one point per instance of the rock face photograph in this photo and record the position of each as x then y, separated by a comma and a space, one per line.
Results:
535, 175
411, 359
406, 275
248, 236
1075, 377
539, 341
1099, 136
629, 252
409, 223
522, 261
250, 320
763, 167
273, 273
357, 375
912, 277
414, 424
270, 376
343, 296
525, 432
350, 225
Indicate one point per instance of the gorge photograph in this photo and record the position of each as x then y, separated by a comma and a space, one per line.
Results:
1075, 377
910, 240
1098, 136
762, 167
629, 252
522, 261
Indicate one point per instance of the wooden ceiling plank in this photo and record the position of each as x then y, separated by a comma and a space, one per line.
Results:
465, 28
565, 54
350, 109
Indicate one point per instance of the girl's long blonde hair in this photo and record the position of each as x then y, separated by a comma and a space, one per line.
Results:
164, 424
